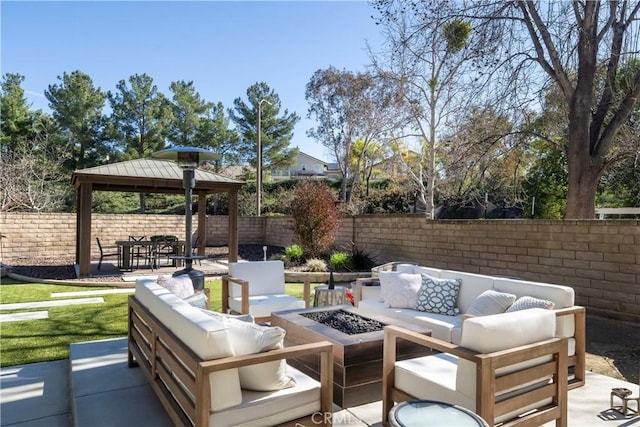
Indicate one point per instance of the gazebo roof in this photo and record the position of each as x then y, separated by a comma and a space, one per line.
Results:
150, 176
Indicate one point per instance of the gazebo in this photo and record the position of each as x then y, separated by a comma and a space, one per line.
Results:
147, 176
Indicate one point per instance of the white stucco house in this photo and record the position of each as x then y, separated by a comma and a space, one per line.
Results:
306, 166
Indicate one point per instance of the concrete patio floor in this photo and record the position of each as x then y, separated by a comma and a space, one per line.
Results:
96, 388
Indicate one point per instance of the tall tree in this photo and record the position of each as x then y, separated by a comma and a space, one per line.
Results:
77, 109
348, 107
427, 54
140, 115
568, 45
369, 155
16, 119
188, 108
276, 130
215, 135
485, 157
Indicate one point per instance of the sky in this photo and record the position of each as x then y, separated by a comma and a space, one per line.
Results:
224, 47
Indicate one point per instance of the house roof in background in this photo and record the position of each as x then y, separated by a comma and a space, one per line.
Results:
312, 158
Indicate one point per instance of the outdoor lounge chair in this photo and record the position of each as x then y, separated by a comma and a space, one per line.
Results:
508, 369
257, 288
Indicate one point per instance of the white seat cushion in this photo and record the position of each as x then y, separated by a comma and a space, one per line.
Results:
265, 409
442, 327
264, 305
431, 377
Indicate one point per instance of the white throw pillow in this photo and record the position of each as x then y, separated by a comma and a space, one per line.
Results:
524, 303
180, 285
198, 300
438, 295
250, 338
491, 302
399, 290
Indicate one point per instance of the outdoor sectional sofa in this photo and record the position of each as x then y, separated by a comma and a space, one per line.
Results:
205, 372
397, 297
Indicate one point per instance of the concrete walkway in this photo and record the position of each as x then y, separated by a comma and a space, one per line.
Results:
95, 387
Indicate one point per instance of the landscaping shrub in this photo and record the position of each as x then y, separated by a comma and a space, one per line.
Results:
340, 261
361, 260
316, 264
315, 217
281, 257
294, 253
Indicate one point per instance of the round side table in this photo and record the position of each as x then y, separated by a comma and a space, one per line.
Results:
427, 413
324, 296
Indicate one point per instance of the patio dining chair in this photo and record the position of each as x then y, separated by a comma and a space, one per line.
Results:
138, 251
163, 247
106, 252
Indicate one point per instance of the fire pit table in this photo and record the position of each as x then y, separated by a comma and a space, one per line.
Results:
357, 348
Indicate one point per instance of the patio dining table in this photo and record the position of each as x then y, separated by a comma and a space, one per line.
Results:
126, 248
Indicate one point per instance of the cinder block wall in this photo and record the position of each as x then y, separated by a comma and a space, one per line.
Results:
599, 259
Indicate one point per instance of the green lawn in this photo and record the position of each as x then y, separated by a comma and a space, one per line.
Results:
49, 339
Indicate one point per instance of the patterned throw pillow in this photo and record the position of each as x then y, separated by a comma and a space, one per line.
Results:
399, 290
524, 303
491, 302
438, 295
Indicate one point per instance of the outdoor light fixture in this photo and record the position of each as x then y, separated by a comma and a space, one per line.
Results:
188, 158
259, 160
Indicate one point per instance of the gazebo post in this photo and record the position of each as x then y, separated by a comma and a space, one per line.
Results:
202, 222
83, 228
233, 226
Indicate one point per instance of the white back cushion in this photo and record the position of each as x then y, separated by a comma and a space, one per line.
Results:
472, 286
433, 272
488, 334
562, 296
264, 277
157, 300
405, 268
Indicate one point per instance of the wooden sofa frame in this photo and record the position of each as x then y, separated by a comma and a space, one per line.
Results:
576, 362
180, 378
488, 384
228, 281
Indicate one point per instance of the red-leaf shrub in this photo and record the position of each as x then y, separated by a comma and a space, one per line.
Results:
315, 217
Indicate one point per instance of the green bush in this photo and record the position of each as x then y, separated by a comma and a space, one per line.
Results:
316, 264
340, 261
280, 257
294, 253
